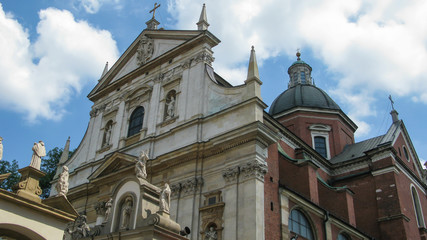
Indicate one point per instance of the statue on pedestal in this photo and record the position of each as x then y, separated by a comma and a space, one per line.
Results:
140, 166
39, 151
62, 185
165, 198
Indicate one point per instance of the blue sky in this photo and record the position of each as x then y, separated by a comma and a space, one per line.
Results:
53, 53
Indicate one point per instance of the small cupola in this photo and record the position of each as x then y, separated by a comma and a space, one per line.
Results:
299, 72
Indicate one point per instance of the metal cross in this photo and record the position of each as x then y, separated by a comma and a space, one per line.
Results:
154, 9
391, 100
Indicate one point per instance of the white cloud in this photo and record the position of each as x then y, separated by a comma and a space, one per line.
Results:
374, 46
38, 79
93, 6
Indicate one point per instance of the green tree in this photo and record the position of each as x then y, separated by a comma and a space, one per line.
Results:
48, 166
9, 167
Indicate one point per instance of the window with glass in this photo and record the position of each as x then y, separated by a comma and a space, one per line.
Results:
135, 121
303, 78
320, 146
299, 224
342, 236
417, 206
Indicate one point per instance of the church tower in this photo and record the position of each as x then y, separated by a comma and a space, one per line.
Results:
311, 114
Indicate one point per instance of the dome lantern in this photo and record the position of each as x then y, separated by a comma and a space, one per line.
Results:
299, 72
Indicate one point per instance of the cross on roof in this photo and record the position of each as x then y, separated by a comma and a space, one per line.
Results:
392, 102
154, 9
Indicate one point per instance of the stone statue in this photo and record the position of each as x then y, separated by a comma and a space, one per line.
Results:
77, 229
62, 184
211, 234
39, 151
107, 134
140, 166
126, 212
165, 198
108, 207
171, 108
1, 148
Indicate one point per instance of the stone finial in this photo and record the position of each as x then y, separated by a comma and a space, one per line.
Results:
253, 73
203, 20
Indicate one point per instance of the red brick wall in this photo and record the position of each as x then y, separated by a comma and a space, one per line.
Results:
339, 136
365, 205
271, 196
400, 142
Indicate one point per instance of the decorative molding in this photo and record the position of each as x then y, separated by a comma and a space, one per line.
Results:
186, 187
231, 174
205, 57
255, 169
385, 170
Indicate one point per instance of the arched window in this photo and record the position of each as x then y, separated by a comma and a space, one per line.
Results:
299, 224
303, 78
417, 207
320, 146
135, 121
343, 236
405, 151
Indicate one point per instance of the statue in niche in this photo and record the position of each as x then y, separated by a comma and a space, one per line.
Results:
125, 214
39, 151
62, 184
107, 134
145, 50
108, 206
165, 198
211, 234
170, 105
1, 148
140, 166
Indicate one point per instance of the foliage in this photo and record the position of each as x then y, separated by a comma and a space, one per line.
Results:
9, 167
48, 166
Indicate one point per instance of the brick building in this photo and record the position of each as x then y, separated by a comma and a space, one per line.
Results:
376, 186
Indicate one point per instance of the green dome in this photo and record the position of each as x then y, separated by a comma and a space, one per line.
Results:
302, 95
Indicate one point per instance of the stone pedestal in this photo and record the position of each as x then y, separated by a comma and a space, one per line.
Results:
28, 186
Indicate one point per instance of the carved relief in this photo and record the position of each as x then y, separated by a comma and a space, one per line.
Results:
231, 174
80, 229
212, 216
253, 169
145, 50
186, 187
205, 57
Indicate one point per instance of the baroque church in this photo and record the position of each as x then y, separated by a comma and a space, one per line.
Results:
174, 151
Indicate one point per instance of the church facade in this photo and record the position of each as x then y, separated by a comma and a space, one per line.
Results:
173, 150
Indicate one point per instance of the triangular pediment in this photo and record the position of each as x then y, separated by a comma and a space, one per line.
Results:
113, 164
149, 50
